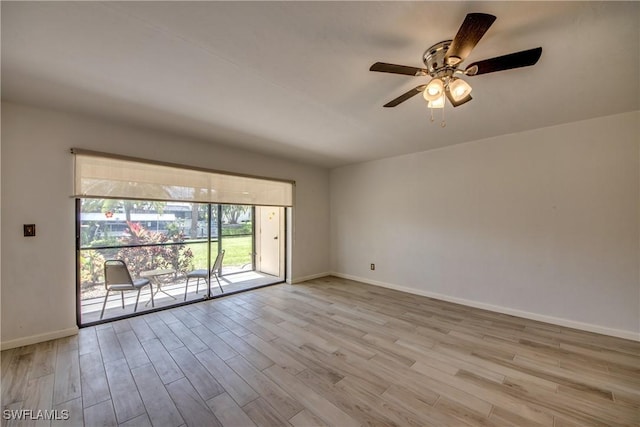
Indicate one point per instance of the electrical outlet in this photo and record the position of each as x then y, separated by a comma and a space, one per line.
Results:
373, 266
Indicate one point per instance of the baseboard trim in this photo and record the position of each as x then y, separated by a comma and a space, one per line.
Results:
589, 327
34, 339
310, 277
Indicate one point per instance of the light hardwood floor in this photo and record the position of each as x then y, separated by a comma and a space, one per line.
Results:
327, 352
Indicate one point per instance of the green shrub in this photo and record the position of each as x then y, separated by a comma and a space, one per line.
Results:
91, 267
140, 258
237, 229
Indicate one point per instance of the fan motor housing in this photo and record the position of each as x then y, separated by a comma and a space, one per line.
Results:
434, 58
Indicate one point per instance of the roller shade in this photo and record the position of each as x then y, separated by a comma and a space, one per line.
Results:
100, 175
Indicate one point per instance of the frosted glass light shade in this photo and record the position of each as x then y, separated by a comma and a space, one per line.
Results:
459, 89
434, 90
437, 103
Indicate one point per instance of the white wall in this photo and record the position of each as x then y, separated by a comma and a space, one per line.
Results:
543, 223
38, 274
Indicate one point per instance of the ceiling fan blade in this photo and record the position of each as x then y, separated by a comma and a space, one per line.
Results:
468, 36
398, 69
524, 58
454, 102
413, 92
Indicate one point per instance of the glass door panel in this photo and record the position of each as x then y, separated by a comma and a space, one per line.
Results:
165, 242
159, 241
237, 238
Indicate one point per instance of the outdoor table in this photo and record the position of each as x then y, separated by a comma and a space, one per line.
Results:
153, 275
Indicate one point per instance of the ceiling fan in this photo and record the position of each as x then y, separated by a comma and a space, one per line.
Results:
442, 61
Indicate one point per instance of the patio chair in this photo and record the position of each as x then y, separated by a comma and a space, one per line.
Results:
118, 279
204, 274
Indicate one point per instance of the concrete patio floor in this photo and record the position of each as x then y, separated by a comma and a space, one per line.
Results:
172, 292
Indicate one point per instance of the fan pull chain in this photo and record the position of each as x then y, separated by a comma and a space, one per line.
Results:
443, 123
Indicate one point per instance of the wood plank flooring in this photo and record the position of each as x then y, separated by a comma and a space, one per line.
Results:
329, 352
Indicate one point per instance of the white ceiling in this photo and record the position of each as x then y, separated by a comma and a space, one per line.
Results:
291, 78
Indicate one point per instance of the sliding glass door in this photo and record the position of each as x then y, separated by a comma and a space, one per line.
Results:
164, 242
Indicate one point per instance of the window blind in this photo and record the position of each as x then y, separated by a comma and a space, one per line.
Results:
100, 175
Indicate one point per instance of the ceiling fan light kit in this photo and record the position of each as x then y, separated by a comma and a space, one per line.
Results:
437, 103
434, 90
442, 61
459, 89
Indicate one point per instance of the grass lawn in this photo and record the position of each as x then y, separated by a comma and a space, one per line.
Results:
237, 251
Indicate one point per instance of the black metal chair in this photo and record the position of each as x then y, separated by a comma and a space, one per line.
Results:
118, 279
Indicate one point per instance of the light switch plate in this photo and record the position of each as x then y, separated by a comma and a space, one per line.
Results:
29, 230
